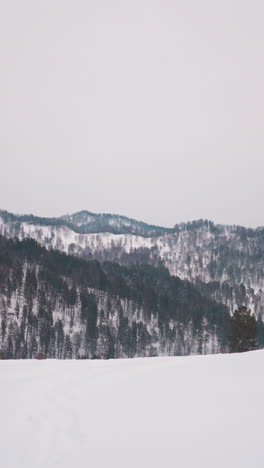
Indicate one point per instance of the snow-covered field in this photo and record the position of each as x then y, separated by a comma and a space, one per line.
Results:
158, 412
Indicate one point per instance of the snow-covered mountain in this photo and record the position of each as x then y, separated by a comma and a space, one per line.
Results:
225, 262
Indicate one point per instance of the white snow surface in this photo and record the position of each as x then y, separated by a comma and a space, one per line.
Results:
202, 411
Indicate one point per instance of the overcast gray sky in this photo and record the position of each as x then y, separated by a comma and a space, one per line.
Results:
152, 109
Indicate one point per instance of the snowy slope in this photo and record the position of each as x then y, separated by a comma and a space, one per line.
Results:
145, 413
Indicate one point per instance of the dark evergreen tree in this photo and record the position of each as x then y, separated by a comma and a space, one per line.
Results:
243, 331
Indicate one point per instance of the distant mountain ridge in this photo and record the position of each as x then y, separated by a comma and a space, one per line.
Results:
85, 222
86, 218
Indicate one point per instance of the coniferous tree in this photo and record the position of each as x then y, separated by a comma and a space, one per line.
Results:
243, 331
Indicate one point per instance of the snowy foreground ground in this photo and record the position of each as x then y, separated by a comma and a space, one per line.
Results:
160, 412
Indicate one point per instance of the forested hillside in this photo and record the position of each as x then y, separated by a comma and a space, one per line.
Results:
226, 263
66, 307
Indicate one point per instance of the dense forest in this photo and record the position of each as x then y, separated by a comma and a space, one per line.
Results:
61, 306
